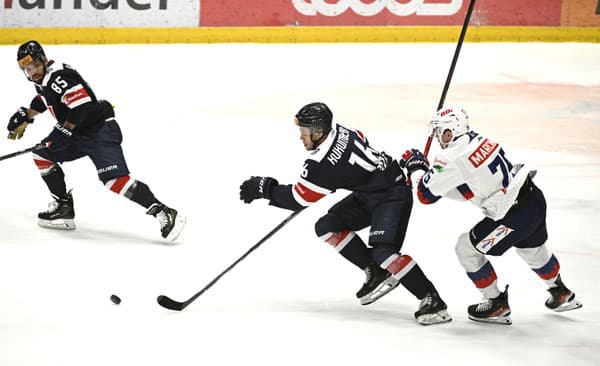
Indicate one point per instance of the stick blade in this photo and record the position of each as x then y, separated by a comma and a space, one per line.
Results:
168, 303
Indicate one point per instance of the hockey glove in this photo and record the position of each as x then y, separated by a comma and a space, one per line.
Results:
257, 187
18, 123
59, 138
415, 160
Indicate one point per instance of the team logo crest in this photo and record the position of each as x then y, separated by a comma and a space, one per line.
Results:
493, 238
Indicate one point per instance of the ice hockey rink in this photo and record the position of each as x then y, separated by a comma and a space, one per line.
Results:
199, 119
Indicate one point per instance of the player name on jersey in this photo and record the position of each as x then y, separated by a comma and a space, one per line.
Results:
484, 150
340, 146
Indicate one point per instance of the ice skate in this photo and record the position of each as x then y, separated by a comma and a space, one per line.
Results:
171, 222
492, 310
432, 310
561, 298
378, 283
60, 214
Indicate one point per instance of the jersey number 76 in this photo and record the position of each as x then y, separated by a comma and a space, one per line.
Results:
505, 167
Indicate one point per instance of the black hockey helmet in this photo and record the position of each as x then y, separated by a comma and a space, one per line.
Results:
314, 116
29, 52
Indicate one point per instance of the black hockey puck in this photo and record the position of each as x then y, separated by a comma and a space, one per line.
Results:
115, 299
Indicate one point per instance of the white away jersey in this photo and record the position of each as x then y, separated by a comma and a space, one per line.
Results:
472, 168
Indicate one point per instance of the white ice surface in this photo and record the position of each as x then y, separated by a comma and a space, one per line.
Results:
199, 119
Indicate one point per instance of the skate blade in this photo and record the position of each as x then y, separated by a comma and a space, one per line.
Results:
441, 316
380, 291
180, 221
571, 305
506, 320
58, 224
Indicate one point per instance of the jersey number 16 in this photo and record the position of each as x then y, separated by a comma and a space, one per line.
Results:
367, 158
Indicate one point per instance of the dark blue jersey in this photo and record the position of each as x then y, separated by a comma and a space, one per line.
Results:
69, 98
344, 160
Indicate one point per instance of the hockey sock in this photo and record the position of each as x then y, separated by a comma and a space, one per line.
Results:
350, 246
549, 272
132, 189
485, 280
542, 262
55, 180
406, 269
478, 268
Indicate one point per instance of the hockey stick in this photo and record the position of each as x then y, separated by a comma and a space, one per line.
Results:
167, 302
451, 71
39, 146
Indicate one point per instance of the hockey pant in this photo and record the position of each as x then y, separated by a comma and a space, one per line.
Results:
523, 227
104, 149
387, 213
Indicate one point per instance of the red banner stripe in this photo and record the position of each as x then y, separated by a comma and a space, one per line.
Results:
238, 13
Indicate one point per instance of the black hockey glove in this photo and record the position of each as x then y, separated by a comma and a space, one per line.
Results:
18, 123
415, 160
257, 187
59, 139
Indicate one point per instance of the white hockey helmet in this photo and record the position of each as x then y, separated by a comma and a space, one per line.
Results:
452, 118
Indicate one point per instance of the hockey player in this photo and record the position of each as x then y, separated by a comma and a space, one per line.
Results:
342, 158
474, 168
85, 126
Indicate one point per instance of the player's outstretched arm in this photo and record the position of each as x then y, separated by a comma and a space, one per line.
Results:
268, 188
257, 187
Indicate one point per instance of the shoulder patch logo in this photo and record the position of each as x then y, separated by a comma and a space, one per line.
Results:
438, 165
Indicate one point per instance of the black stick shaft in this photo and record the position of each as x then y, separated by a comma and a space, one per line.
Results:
463, 32
33, 148
168, 303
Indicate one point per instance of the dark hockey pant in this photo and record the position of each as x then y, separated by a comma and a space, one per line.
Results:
104, 149
387, 213
523, 227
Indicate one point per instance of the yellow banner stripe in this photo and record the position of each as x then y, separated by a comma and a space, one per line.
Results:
297, 34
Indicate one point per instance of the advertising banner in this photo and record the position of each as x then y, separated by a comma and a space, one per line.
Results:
99, 13
580, 13
378, 12
198, 21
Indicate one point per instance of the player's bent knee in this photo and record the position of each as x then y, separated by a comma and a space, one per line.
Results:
119, 185
328, 224
338, 240
535, 257
463, 245
44, 165
467, 255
